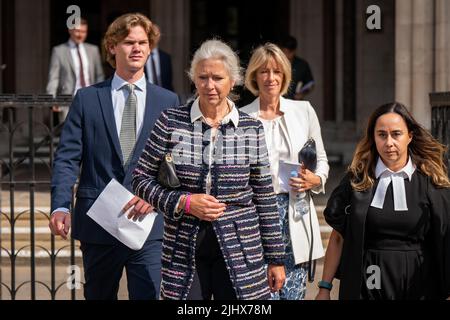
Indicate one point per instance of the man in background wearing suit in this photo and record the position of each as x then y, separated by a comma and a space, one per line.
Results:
74, 65
302, 82
105, 132
158, 68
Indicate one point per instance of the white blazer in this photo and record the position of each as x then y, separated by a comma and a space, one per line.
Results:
302, 123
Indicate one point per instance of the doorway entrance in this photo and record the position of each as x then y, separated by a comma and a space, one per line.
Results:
242, 24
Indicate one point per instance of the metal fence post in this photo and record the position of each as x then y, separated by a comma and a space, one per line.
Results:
440, 120
10, 160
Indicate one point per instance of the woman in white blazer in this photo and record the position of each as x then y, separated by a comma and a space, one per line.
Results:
288, 124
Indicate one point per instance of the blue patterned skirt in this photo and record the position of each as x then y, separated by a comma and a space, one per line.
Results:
296, 275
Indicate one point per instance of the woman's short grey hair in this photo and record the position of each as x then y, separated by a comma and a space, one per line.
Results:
217, 49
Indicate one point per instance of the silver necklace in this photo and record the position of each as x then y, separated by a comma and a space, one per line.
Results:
217, 123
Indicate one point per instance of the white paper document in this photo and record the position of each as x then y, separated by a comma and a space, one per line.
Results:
107, 212
285, 169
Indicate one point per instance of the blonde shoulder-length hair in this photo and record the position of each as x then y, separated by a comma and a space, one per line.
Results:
259, 58
425, 151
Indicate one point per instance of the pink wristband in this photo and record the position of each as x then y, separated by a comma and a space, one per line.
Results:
187, 206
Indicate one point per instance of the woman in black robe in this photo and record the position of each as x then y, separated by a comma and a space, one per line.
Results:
391, 215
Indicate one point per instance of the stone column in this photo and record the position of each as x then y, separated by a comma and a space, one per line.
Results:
32, 52
421, 54
422, 60
339, 61
375, 61
403, 54
173, 17
1, 63
306, 25
442, 43
32, 27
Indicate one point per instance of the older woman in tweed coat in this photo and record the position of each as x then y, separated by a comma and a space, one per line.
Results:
221, 226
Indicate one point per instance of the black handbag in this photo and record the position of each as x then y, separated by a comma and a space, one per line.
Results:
167, 176
308, 156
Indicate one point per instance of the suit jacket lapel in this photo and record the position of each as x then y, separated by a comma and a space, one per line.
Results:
152, 112
104, 95
90, 57
68, 58
291, 128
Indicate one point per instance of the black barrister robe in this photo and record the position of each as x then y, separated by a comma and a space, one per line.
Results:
346, 212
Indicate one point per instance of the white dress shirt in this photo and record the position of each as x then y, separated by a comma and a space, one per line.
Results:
387, 176
277, 142
120, 96
76, 64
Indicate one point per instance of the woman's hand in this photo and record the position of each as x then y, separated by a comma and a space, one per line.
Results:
306, 180
324, 294
206, 207
276, 276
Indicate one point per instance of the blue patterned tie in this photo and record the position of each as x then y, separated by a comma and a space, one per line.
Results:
128, 128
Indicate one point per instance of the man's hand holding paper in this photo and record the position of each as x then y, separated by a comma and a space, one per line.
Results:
110, 212
140, 208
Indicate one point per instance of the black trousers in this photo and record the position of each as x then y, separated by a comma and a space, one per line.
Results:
104, 264
211, 278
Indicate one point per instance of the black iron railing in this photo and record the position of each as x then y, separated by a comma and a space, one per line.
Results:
28, 137
440, 119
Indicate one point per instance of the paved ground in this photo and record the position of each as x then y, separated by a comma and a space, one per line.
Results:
62, 274
22, 272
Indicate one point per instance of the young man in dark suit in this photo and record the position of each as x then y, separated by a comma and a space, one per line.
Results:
103, 137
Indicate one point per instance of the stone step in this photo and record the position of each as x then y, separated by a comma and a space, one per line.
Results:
22, 150
42, 211
46, 243
43, 236
42, 249
23, 234
24, 212
23, 223
22, 229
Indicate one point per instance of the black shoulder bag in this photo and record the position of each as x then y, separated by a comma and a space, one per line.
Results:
167, 176
308, 156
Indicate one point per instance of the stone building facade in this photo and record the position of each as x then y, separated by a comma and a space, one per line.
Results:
356, 69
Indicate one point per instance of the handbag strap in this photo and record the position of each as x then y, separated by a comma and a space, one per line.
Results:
312, 263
